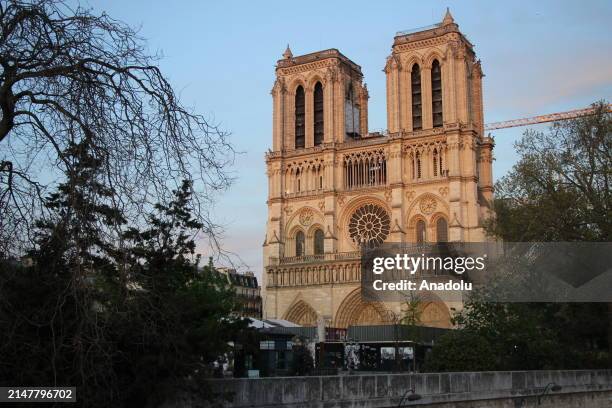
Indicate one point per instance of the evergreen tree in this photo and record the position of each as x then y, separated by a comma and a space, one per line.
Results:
54, 311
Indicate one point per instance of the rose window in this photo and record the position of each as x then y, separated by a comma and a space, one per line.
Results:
369, 224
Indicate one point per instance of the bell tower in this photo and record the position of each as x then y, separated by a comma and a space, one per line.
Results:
318, 98
319, 102
434, 87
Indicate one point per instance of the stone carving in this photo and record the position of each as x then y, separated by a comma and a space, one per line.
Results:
409, 195
388, 195
306, 216
428, 205
443, 191
322, 205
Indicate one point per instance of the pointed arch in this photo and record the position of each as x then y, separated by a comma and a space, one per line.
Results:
417, 109
355, 311
300, 243
436, 93
421, 231
417, 229
435, 314
301, 313
351, 112
300, 117
441, 227
318, 110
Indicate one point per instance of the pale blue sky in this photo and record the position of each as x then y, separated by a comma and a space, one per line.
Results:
538, 57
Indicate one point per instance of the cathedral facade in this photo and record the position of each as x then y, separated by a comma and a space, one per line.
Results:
333, 185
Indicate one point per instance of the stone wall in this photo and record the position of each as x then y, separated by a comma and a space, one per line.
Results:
580, 388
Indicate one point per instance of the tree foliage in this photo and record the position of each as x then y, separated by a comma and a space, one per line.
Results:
129, 325
558, 191
560, 188
67, 75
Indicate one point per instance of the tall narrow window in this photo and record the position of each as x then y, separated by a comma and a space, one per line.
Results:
441, 230
420, 232
436, 93
319, 238
418, 165
299, 243
300, 118
435, 162
318, 114
417, 111
351, 113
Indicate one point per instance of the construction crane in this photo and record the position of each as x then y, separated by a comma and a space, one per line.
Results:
551, 117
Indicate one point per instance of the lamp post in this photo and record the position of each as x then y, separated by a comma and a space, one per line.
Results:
413, 396
552, 387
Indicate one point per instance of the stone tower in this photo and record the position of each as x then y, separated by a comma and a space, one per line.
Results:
333, 185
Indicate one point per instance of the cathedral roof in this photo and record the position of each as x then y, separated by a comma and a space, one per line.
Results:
447, 25
314, 56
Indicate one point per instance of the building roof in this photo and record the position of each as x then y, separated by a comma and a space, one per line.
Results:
289, 60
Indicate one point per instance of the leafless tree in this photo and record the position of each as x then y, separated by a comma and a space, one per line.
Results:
65, 74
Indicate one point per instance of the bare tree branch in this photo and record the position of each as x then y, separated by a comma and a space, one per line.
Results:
69, 74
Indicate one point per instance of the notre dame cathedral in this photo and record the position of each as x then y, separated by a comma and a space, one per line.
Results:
333, 185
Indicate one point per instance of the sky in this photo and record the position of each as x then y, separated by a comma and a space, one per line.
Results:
538, 57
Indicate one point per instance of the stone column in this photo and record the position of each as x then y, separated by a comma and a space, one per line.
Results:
454, 187
448, 85
339, 91
278, 114
406, 98
289, 112
363, 110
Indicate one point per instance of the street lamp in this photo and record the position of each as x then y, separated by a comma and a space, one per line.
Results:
552, 387
413, 396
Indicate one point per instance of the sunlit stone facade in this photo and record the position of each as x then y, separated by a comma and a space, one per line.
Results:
334, 185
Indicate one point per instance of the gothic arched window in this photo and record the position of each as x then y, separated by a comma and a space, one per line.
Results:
421, 233
300, 242
318, 114
436, 93
435, 162
319, 239
300, 118
418, 165
351, 113
417, 112
441, 230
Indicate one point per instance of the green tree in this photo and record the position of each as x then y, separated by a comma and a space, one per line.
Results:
54, 327
180, 316
125, 339
461, 350
560, 188
558, 191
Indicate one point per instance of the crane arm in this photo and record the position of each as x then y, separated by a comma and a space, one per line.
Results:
551, 117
